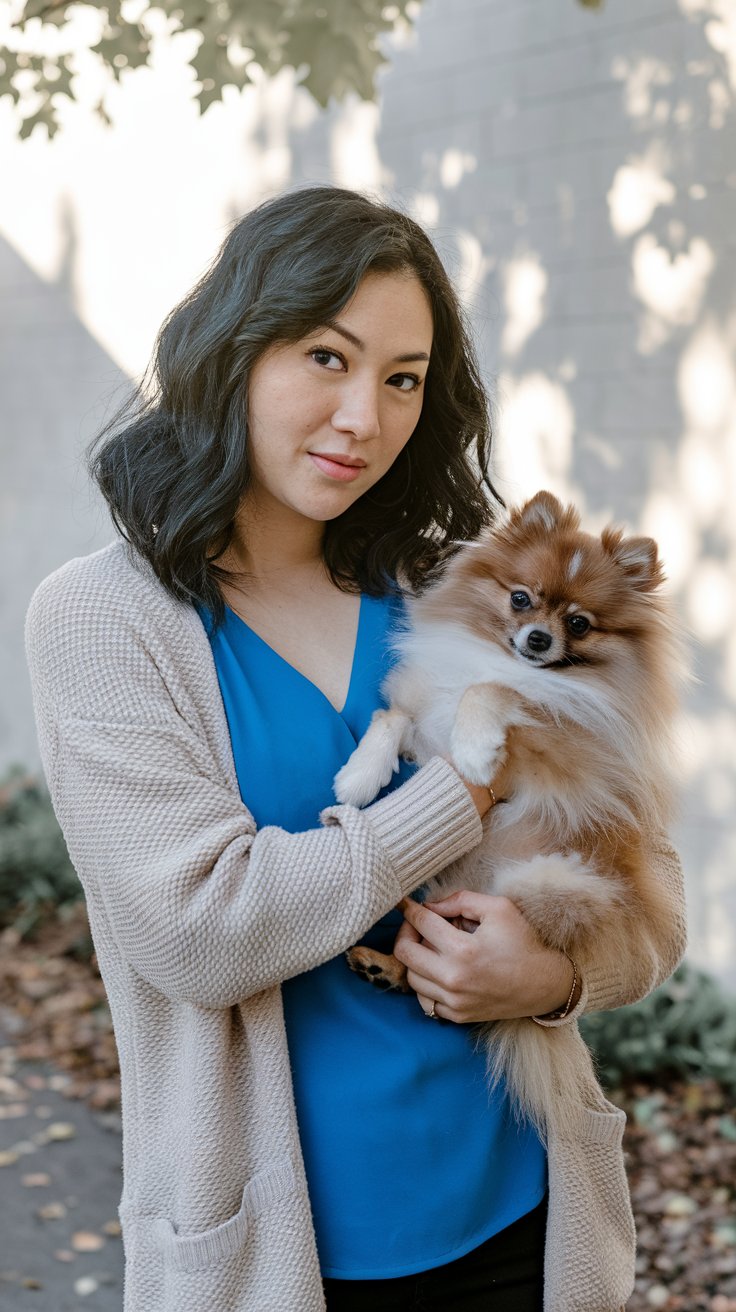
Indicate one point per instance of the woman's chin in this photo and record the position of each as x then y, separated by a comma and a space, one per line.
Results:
329, 504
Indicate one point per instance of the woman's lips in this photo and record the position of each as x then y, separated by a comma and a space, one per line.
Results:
333, 468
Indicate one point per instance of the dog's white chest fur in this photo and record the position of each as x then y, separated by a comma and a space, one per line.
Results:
434, 710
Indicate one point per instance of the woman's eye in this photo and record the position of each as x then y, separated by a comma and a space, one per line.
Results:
405, 382
326, 358
520, 600
577, 625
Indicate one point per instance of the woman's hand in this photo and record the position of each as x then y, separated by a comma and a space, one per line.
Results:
486, 797
481, 796
497, 971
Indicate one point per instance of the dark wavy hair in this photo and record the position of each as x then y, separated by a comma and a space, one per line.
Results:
173, 464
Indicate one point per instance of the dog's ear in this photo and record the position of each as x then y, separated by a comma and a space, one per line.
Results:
637, 557
544, 512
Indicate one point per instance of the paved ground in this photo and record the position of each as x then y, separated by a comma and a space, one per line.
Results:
60, 1182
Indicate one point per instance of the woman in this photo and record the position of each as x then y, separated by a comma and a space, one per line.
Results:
315, 437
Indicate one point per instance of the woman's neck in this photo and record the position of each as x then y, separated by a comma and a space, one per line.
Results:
275, 548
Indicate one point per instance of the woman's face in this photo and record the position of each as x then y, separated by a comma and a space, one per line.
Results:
329, 414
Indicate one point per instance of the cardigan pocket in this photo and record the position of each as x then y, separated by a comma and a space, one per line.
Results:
602, 1126
206, 1248
591, 1241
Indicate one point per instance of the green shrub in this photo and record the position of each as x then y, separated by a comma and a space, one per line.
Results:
37, 878
685, 1029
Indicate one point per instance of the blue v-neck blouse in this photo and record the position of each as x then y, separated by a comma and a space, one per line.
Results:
410, 1161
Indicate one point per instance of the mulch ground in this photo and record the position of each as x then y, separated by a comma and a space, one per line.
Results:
680, 1141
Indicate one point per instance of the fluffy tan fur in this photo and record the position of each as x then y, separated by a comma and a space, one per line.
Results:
551, 655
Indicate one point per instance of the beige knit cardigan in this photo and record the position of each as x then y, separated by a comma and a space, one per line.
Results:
196, 920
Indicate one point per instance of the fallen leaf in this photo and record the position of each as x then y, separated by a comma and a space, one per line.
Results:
86, 1285
36, 988
59, 1130
8, 1159
680, 1206
658, 1296
86, 1241
51, 1212
35, 1180
59, 1082
74, 1000
112, 1228
693, 1098
10, 1088
24, 1147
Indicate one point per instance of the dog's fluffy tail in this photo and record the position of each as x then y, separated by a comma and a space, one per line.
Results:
548, 1073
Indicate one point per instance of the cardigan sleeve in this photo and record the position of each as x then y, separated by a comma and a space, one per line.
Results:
658, 948
200, 904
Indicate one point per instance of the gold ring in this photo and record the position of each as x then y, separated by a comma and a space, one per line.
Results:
432, 1014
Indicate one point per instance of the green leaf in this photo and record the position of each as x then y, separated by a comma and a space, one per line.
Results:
334, 43
124, 46
39, 8
8, 68
214, 71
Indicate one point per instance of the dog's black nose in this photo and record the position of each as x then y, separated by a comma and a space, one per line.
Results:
538, 640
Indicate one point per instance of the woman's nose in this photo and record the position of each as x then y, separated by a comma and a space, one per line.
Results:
358, 411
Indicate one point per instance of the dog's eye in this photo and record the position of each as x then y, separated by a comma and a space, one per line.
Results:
520, 600
577, 625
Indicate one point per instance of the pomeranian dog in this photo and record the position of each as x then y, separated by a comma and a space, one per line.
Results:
552, 654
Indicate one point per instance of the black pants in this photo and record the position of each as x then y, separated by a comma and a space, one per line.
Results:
504, 1275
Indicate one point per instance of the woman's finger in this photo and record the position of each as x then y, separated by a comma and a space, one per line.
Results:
427, 1005
439, 933
424, 986
471, 906
420, 958
407, 934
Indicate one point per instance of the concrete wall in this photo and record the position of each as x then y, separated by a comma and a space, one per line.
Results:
577, 170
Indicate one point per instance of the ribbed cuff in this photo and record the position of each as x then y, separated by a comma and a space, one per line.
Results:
603, 992
658, 951
427, 823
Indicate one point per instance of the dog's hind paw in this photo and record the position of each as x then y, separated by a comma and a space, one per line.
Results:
380, 969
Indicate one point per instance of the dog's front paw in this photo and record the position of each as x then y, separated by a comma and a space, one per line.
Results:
360, 780
477, 760
380, 969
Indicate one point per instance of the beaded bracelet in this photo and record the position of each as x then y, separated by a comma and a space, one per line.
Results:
562, 1012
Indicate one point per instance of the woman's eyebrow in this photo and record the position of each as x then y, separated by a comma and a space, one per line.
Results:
355, 341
